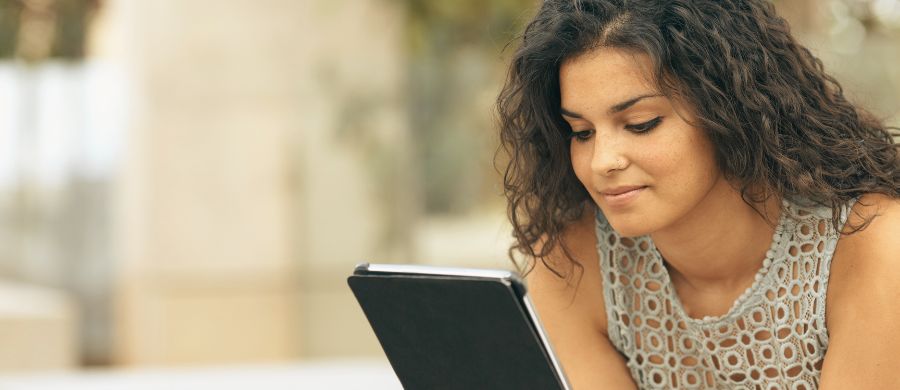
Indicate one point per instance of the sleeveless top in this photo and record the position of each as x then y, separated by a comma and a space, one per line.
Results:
773, 337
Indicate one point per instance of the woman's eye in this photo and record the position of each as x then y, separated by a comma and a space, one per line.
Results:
644, 127
582, 136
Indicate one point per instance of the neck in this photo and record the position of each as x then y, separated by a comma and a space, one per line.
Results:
721, 243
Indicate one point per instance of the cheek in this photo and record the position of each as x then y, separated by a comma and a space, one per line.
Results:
660, 159
700, 159
581, 162
686, 164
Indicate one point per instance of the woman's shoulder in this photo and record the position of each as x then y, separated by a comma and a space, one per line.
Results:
572, 309
865, 267
572, 275
576, 244
880, 216
862, 314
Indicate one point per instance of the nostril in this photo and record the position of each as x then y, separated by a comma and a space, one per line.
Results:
608, 166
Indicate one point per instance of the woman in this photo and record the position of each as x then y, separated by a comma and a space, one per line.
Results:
698, 204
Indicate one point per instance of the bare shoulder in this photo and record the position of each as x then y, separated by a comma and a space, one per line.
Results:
572, 311
876, 246
861, 310
580, 241
574, 288
883, 208
871, 255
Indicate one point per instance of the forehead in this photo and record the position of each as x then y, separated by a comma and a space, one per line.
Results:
604, 76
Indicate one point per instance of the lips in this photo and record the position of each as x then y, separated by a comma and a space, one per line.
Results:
620, 190
621, 197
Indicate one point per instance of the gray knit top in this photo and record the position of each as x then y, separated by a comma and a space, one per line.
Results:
773, 337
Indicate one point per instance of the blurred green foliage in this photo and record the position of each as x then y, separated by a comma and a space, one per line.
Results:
9, 26
34, 30
455, 53
483, 23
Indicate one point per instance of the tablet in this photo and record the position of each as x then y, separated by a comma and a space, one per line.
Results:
457, 328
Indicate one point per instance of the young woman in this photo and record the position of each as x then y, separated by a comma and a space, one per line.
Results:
698, 204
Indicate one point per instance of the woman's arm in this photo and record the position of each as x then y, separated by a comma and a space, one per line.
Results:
575, 318
863, 302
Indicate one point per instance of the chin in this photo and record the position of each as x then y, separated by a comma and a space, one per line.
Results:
630, 225
630, 230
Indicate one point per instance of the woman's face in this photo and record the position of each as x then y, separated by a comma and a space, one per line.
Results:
641, 162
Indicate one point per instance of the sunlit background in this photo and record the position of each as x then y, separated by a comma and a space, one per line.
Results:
186, 184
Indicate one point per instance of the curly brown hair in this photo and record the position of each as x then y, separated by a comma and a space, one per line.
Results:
779, 124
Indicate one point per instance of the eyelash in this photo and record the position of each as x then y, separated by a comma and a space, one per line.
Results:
640, 128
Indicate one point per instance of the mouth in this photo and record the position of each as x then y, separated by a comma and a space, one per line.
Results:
621, 190
622, 195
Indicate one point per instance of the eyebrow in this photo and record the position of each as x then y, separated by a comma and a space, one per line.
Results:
614, 109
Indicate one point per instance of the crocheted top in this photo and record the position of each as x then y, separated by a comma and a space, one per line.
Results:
773, 337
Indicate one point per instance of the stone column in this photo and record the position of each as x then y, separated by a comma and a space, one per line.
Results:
248, 194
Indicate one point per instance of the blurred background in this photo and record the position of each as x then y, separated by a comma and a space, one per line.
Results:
186, 184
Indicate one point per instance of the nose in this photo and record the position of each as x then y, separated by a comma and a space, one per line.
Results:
607, 157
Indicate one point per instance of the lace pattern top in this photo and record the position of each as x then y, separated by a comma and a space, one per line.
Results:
773, 337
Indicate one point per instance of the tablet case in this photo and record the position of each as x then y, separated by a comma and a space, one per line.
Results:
464, 333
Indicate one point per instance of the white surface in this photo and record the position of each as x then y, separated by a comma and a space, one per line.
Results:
324, 375
433, 270
21, 300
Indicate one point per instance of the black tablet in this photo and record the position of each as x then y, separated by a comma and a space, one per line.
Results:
457, 328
